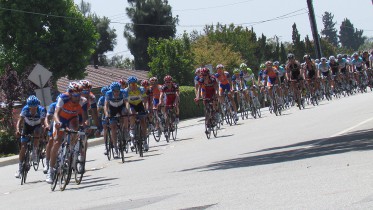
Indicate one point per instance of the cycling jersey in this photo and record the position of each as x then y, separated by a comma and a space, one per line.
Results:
101, 102
260, 75
342, 63
235, 83
35, 119
272, 76
155, 93
311, 70
281, 71
357, 63
324, 67
208, 86
135, 97
115, 101
366, 61
52, 108
70, 109
170, 93
222, 78
334, 67
295, 70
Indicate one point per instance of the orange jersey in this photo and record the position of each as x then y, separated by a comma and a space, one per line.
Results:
156, 92
222, 78
69, 109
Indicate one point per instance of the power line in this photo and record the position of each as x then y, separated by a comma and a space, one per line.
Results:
38, 13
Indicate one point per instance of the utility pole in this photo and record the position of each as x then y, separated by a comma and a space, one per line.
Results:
315, 34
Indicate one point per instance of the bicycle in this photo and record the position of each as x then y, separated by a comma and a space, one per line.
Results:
210, 121
121, 140
27, 161
139, 138
243, 104
170, 126
41, 152
277, 104
228, 110
79, 165
157, 120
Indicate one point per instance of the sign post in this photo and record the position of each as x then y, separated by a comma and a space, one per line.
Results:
40, 76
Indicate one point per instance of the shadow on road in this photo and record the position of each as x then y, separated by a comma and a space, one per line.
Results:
360, 140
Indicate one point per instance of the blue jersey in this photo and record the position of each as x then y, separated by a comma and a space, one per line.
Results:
342, 63
324, 67
115, 101
261, 75
52, 108
358, 63
101, 102
33, 120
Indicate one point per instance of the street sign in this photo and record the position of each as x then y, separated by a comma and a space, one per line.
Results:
44, 95
39, 75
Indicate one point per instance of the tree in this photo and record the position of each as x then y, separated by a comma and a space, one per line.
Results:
107, 35
62, 40
283, 54
298, 45
207, 51
119, 62
173, 57
107, 39
309, 47
329, 32
349, 36
150, 19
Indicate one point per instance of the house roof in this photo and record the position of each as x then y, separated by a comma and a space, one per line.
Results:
103, 76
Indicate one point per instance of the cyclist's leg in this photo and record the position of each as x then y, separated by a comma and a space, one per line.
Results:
36, 133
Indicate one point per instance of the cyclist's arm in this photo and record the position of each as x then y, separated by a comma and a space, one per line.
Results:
161, 98
20, 123
106, 108
56, 115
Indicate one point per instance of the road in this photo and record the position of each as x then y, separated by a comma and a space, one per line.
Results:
317, 158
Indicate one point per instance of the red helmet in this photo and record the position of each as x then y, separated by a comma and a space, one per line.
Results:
74, 87
122, 82
144, 83
85, 84
153, 80
205, 71
167, 78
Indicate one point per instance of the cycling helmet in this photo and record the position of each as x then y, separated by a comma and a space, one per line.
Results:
198, 70
317, 61
276, 63
339, 56
262, 66
153, 80
236, 71
32, 101
355, 54
306, 57
249, 71
122, 82
332, 58
205, 71
115, 86
220, 66
105, 89
145, 83
243, 66
268, 63
74, 87
132, 79
167, 78
323, 59
85, 84
290, 56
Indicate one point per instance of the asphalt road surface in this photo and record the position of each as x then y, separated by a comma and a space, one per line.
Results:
317, 158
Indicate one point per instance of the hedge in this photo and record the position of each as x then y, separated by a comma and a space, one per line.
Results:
8, 143
188, 108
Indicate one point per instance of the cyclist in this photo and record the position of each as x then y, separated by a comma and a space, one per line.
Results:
69, 105
365, 58
211, 87
149, 104
136, 98
169, 97
101, 112
223, 78
196, 79
236, 84
123, 83
371, 59
281, 71
155, 90
49, 125
311, 73
334, 67
92, 104
271, 78
294, 75
114, 106
357, 65
31, 119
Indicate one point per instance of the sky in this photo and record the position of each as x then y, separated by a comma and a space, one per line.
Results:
259, 14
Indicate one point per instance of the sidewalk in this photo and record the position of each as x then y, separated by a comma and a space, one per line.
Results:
100, 140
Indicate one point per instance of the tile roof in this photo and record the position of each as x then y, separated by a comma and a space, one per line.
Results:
103, 76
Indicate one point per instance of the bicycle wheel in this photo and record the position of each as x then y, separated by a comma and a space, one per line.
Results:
66, 170
139, 141
79, 167
120, 139
207, 129
36, 164
156, 137
214, 127
108, 145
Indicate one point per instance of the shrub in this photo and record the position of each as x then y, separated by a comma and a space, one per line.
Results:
188, 108
8, 143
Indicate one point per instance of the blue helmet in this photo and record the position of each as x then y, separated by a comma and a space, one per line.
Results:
105, 89
132, 79
115, 86
32, 101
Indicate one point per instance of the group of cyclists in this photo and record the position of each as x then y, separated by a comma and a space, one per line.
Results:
283, 85
124, 102
121, 103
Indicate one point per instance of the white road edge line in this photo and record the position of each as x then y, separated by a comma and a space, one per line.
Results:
348, 129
